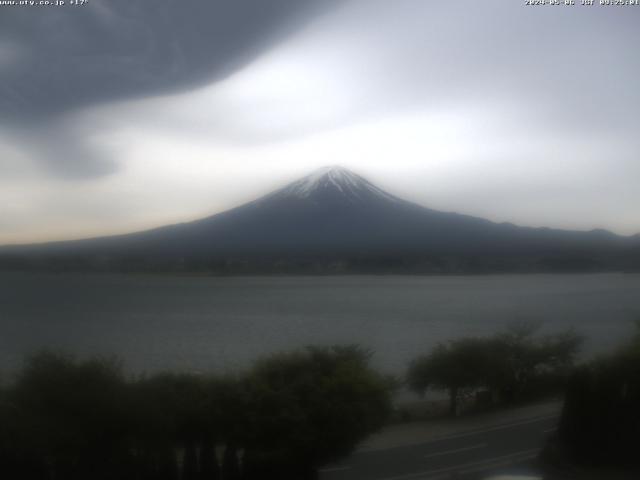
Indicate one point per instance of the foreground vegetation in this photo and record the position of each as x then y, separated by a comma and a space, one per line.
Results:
294, 412
290, 414
510, 366
600, 422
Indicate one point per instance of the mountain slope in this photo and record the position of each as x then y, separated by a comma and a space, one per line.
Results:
334, 214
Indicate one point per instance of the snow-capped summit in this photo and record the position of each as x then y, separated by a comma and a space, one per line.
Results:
336, 182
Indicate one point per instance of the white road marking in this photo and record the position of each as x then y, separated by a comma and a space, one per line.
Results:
524, 455
334, 469
367, 450
492, 429
549, 430
470, 467
463, 449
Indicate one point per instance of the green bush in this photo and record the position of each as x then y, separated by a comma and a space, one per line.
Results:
515, 364
600, 422
293, 412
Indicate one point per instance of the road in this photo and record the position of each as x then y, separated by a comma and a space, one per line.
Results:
477, 454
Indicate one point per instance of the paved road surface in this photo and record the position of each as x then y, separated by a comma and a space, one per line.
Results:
477, 454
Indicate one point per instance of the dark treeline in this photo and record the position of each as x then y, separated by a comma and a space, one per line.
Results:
325, 264
510, 366
600, 422
599, 425
290, 414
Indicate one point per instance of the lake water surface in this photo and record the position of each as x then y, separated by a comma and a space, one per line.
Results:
202, 323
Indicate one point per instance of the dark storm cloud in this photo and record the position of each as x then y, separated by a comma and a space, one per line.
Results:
118, 48
57, 59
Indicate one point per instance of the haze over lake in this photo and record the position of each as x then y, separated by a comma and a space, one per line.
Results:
223, 323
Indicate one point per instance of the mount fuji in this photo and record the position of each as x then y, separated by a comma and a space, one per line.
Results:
335, 220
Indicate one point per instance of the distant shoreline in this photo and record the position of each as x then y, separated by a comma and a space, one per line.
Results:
200, 274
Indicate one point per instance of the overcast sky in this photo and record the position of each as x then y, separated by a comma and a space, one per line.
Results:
123, 114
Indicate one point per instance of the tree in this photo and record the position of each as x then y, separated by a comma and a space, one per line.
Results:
310, 407
227, 404
509, 363
456, 366
70, 415
520, 359
173, 420
70, 419
600, 421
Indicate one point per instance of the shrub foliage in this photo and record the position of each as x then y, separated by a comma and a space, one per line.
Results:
290, 414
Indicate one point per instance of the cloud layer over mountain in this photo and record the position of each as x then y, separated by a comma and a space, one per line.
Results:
490, 108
